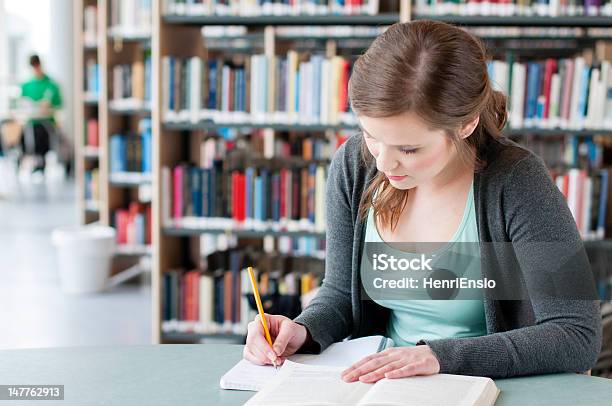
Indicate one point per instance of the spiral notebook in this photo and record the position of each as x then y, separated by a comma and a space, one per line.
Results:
248, 376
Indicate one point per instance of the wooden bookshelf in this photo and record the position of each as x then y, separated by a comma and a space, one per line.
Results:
180, 36
86, 107
118, 189
110, 49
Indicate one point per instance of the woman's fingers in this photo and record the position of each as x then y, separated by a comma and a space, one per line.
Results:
285, 334
380, 372
366, 365
257, 343
258, 359
414, 368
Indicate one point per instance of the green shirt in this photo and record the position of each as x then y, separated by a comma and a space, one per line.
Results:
413, 320
38, 89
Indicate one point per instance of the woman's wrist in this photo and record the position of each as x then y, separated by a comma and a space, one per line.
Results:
309, 345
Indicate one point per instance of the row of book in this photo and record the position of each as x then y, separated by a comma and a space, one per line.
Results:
289, 147
563, 152
92, 185
133, 224
249, 8
90, 26
92, 78
132, 84
548, 8
219, 298
540, 32
132, 152
577, 166
543, 8
252, 198
294, 246
131, 18
569, 93
587, 198
299, 31
296, 88
565, 93
92, 133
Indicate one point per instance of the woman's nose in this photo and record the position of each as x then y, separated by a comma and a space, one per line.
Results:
385, 162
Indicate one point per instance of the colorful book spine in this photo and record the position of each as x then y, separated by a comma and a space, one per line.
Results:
133, 225
92, 78
567, 94
293, 89
92, 133
132, 152
218, 298
92, 185
542, 8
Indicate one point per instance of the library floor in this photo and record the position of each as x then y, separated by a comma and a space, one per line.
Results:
33, 310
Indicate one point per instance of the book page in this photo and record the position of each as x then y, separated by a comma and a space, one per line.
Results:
439, 389
309, 385
248, 376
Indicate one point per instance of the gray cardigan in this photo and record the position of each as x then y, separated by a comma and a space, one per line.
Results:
515, 200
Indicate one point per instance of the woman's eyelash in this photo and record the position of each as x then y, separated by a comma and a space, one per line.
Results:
403, 151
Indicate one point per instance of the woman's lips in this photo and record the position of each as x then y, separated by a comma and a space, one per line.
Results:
396, 178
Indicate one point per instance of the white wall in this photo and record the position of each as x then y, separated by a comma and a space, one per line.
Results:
3, 62
59, 61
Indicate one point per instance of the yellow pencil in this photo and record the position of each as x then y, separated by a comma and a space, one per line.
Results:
264, 322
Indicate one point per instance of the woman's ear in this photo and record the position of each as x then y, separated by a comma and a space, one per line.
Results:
469, 128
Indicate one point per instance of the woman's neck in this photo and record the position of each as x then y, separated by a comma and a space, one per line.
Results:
455, 175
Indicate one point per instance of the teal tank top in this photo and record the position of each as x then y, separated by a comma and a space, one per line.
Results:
413, 320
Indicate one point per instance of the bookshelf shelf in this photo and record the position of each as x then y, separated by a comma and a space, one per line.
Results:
133, 250
130, 179
92, 206
546, 131
118, 36
210, 125
128, 111
177, 336
245, 233
380, 19
90, 152
520, 21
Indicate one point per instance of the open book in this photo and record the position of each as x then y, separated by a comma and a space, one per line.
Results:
248, 376
309, 385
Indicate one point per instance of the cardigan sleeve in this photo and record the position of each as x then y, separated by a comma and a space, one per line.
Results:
566, 334
328, 317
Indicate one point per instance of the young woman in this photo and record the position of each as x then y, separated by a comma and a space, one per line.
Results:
431, 165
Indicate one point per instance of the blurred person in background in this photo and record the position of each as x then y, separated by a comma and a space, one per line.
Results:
41, 98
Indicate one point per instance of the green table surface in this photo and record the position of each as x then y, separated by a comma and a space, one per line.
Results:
189, 375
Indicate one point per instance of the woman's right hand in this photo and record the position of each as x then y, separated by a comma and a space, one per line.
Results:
287, 337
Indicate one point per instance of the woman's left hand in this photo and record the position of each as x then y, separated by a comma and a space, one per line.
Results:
395, 362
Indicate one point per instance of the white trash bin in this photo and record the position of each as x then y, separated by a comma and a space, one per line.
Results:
84, 255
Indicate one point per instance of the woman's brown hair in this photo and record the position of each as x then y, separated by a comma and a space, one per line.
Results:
437, 71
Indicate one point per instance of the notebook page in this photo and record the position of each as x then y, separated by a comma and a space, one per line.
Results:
439, 389
248, 376
345, 353
309, 385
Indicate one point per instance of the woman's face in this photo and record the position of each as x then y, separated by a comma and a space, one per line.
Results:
406, 150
